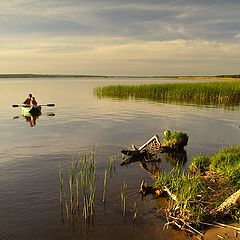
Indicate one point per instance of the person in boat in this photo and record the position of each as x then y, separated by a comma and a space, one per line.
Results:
28, 100
33, 102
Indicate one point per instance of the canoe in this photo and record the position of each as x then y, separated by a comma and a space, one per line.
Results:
31, 111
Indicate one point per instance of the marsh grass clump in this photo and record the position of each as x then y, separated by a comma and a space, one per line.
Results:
226, 163
199, 163
175, 139
217, 93
208, 192
77, 187
185, 188
87, 166
81, 178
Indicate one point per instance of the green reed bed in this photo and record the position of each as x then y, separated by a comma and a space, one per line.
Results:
207, 92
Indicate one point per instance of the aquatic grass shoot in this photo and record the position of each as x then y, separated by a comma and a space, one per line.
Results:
112, 167
135, 211
123, 199
87, 165
104, 185
60, 175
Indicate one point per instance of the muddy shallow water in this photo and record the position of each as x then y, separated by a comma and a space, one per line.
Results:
30, 156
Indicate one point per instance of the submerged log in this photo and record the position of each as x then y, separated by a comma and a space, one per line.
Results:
150, 148
134, 155
146, 189
142, 153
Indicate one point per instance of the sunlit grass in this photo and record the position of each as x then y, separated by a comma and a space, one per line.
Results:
218, 93
225, 162
185, 187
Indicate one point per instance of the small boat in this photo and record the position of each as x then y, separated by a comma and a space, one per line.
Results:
28, 111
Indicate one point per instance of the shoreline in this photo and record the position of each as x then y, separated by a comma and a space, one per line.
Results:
204, 77
226, 233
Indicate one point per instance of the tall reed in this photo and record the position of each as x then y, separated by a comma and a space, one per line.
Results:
135, 211
104, 185
60, 175
218, 93
123, 199
81, 182
112, 161
88, 184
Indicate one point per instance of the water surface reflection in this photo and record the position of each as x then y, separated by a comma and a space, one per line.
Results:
30, 156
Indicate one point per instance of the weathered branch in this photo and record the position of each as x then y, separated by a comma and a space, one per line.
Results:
233, 200
154, 138
173, 196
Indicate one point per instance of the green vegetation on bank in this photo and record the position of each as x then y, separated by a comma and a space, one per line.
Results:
175, 139
218, 93
211, 180
226, 163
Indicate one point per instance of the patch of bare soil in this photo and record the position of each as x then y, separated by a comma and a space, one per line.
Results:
217, 233
217, 189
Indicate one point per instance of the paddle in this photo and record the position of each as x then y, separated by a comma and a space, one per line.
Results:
22, 105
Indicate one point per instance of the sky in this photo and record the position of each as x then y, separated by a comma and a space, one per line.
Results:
120, 37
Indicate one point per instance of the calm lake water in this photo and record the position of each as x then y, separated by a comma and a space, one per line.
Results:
30, 156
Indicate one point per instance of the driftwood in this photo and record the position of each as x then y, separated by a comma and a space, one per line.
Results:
221, 225
133, 155
146, 189
150, 148
233, 200
142, 153
154, 139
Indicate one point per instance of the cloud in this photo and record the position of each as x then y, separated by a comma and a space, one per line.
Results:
153, 20
237, 35
122, 36
119, 56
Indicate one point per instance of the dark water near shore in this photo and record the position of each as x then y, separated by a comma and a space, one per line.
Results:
30, 156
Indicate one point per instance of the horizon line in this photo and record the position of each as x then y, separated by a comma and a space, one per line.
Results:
47, 75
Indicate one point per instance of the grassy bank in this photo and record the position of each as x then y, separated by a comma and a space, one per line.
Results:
226, 93
199, 193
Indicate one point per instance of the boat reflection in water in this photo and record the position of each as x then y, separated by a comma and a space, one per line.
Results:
31, 114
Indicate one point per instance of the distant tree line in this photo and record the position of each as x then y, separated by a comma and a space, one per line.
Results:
231, 76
